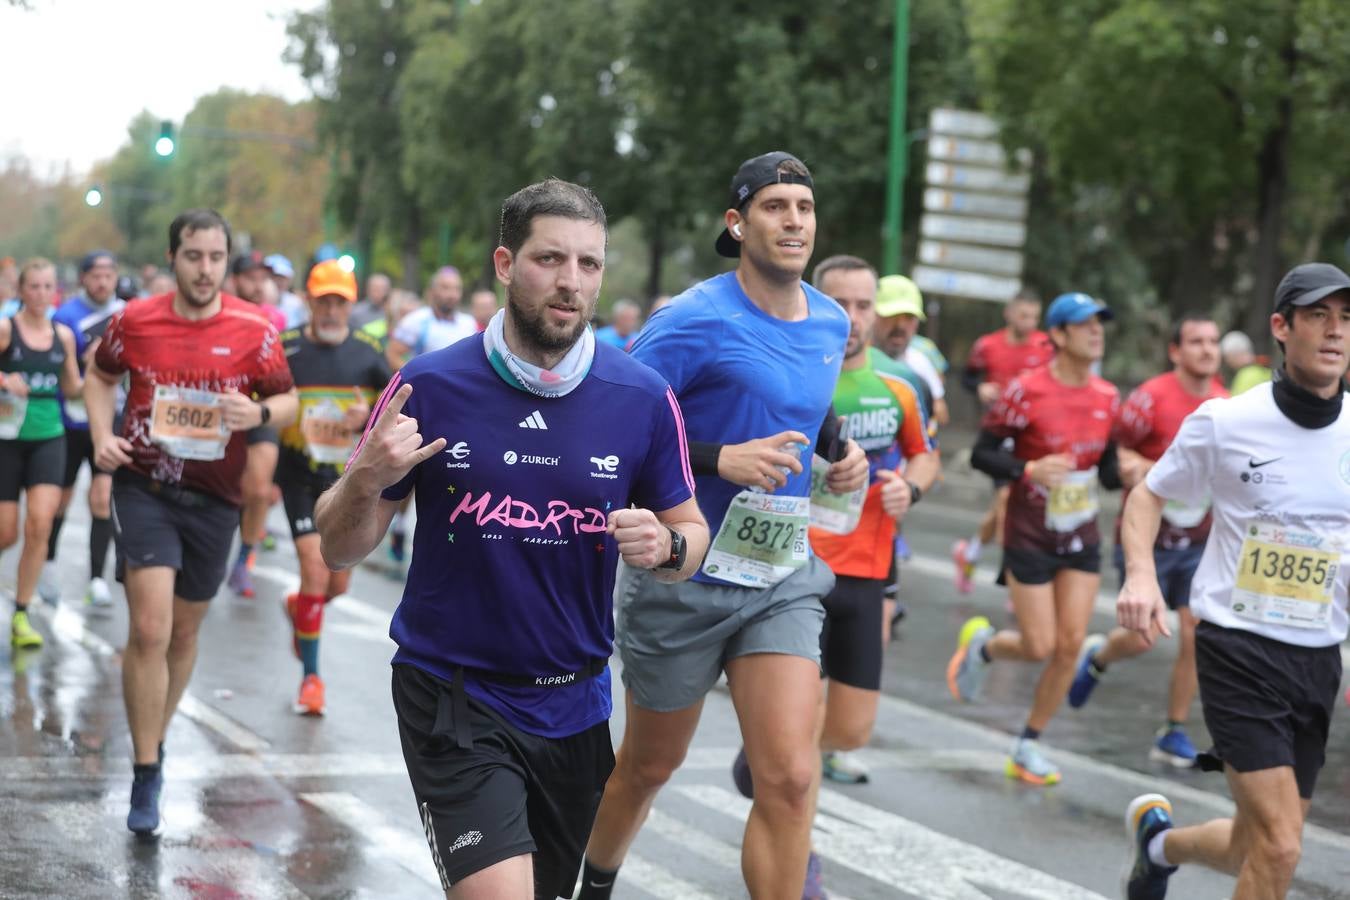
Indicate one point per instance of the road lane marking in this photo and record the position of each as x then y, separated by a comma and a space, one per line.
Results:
221, 724
213, 766
1215, 803
659, 881
905, 855
404, 846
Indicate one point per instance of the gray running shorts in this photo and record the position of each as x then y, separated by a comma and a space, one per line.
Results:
674, 639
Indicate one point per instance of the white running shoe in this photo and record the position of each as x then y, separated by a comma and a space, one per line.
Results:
99, 597
845, 767
49, 586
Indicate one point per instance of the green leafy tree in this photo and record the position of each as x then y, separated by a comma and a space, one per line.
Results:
1192, 114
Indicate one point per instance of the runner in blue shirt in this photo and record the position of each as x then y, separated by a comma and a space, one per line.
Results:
753, 356
87, 314
538, 457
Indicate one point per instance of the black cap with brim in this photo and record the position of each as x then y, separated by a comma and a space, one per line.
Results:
755, 173
1310, 282
94, 257
247, 262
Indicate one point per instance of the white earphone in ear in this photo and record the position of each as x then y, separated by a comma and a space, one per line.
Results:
736, 230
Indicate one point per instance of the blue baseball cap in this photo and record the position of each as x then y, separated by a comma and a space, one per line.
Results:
1074, 309
280, 265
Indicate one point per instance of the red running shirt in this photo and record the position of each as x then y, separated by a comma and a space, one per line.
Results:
236, 349
1000, 361
1149, 420
1043, 416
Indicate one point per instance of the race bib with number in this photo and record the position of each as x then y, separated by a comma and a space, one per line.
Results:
12, 410
76, 411
1285, 576
762, 540
1072, 503
327, 438
835, 513
188, 423
1179, 515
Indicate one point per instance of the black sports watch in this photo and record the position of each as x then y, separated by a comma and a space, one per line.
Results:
266, 413
915, 493
678, 551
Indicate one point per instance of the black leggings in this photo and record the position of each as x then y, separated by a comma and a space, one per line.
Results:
851, 638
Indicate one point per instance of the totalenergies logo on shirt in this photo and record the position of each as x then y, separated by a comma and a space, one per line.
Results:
559, 515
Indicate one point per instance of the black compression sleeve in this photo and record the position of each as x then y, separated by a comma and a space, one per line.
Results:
1108, 468
971, 379
989, 457
703, 457
830, 442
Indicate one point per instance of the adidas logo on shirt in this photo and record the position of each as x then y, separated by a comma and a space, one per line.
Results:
534, 420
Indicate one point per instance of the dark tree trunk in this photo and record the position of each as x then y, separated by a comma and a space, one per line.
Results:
656, 252
1273, 183
411, 250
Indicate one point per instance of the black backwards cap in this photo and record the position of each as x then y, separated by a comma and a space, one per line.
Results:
755, 173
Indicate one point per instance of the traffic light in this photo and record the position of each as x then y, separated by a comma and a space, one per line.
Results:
93, 196
165, 145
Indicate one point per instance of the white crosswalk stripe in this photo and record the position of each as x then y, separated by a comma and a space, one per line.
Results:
903, 854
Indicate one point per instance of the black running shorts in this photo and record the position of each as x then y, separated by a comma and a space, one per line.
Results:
300, 491
159, 525
851, 638
507, 794
1039, 567
79, 450
1267, 703
26, 463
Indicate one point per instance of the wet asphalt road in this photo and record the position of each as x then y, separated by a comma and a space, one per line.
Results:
262, 803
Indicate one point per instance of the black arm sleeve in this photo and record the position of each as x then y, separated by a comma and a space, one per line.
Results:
990, 458
972, 378
1108, 468
830, 442
703, 457
703, 454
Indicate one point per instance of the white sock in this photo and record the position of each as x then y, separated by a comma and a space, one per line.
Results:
973, 547
1156, 846
396, 523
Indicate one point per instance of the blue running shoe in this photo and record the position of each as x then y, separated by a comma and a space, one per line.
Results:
1085, 678
145, 790
814, 888
1173, 746
740, 773
1148, 816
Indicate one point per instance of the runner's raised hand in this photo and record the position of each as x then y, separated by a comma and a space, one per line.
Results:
393, 445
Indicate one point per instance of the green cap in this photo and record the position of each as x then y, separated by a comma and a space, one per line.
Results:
897, 295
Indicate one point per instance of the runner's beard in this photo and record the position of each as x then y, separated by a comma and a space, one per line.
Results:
330, 334
192, 297
533, 326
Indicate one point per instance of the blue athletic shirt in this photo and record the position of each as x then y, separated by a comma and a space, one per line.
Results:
88, 321
512, 569
742, 374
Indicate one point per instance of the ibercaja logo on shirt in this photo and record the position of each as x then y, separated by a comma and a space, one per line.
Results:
458, 456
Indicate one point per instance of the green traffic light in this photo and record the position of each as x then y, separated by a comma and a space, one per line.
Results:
93, 196
165, 144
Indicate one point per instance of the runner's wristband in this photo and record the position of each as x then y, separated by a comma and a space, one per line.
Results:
703, 457
266, 413
915, 493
